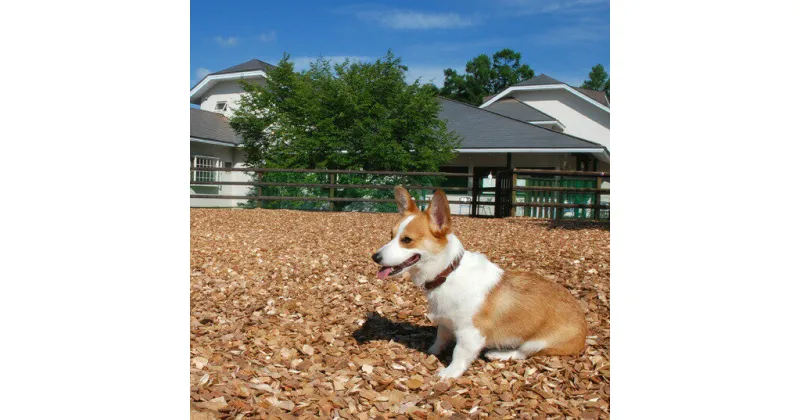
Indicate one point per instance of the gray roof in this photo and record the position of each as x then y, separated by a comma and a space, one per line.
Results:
252, 65
518, 110
481, 129
539, 80
598, 96
209, 125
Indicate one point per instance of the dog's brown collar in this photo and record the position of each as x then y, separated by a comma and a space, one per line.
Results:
439, 280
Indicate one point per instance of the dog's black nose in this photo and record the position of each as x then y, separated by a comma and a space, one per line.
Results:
377, 257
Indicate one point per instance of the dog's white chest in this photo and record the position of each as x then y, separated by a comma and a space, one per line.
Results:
456, 301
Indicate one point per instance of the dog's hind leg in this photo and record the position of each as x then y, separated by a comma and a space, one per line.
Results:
505, 355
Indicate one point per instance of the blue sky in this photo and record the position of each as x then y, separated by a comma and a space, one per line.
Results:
561, 38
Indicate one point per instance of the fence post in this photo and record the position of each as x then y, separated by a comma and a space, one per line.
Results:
513, 192
559, 196
597, 198
331, 190
474, 209
258, 176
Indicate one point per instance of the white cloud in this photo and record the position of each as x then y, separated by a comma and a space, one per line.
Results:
268, 36
407, 19
226, 42
202, 72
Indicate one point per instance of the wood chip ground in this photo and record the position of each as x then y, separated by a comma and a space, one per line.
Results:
288, 320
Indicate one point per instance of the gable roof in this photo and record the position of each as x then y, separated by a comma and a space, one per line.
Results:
518, 110
541, 80
207, 125
484, 129
544, 82
254, 68
254, 64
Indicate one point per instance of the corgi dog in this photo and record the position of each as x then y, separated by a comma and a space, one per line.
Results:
471, 299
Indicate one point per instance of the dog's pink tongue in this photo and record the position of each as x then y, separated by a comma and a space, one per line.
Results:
384, 272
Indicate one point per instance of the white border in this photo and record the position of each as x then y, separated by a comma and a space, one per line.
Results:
200, 88
219, 143
545, 87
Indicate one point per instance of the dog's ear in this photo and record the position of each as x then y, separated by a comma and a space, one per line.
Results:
439, 212
404, 202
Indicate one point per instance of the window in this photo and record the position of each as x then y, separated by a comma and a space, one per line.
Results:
221, 106
201, 176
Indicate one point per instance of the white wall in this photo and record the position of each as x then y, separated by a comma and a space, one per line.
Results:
225, 154
579, 117
227, 91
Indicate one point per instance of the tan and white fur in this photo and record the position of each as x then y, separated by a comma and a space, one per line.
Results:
479, 305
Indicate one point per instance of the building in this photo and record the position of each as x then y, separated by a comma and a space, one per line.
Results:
540, 123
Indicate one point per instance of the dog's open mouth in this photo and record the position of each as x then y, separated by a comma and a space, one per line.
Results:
390, 271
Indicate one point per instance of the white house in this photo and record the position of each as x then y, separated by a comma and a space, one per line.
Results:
540, 123
212, 143
546, 102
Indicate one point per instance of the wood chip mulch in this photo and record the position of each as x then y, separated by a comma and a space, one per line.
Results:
289, 320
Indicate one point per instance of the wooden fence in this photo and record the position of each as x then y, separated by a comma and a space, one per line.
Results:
553, 191
547, 196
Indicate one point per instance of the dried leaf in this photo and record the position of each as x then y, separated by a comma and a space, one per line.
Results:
214, 404
200, 362
414, 384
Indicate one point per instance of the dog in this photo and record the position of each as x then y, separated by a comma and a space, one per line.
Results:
471, 299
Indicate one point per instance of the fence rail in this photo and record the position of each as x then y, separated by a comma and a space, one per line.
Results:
553, 193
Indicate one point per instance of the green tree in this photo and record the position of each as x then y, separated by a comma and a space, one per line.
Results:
485, 76
607, 88
353, 115
508, 70
597, 78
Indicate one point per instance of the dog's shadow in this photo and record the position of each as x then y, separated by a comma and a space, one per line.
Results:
417, 337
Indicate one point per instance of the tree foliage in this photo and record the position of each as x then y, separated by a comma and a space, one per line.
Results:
598, 79
352, 115
485, 76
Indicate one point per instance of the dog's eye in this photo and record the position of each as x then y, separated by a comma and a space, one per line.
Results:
406, 240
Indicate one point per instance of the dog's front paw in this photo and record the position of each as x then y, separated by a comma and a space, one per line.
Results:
450, 372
